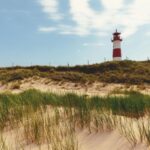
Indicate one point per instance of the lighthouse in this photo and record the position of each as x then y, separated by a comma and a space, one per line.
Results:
116, 46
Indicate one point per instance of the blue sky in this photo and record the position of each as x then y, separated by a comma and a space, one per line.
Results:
57, 32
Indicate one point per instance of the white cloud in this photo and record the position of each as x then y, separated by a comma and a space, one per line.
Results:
115, 14
47, 29
51, 7
137, 14
112, 4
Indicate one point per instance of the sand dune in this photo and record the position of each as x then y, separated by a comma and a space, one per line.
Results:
93, 141
96, 88
105, 141
86, 141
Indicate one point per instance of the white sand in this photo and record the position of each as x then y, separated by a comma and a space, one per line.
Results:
94, 141
105, 141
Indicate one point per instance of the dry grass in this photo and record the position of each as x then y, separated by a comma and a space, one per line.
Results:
51, 119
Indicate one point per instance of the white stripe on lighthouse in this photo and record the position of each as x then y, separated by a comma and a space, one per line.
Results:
116, 58
116, 44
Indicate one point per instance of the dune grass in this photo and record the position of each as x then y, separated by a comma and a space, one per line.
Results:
47, 118
133, 104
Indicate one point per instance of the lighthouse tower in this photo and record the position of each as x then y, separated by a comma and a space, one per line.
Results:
116, 46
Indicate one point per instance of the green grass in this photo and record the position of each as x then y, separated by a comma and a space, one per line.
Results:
133, 104
49, 118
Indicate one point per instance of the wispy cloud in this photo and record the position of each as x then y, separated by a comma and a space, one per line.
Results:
115, 14
51, 8
137, 14
47, 29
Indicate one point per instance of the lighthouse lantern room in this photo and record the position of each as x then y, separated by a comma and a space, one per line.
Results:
116, 46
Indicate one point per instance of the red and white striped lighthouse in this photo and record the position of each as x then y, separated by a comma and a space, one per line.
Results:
116, 46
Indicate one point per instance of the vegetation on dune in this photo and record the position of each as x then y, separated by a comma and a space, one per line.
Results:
53, 119
133, 104
112, 72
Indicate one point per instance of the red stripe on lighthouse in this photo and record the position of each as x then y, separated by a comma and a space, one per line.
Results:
117, 52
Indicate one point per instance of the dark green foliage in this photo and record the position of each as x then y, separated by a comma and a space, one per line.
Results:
111, 72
